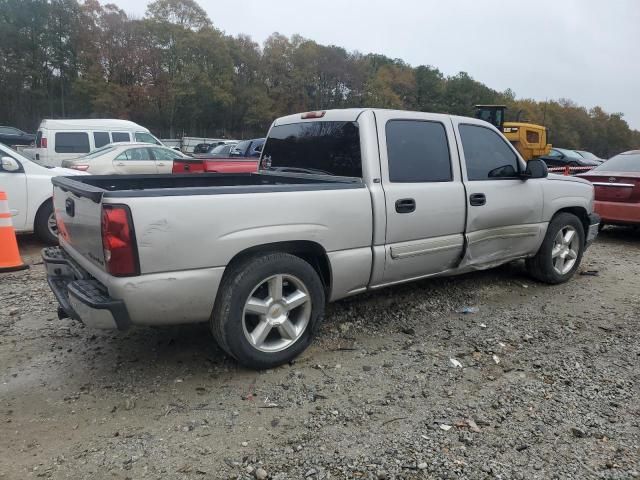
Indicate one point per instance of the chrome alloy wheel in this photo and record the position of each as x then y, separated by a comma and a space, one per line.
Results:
52, 225
277, 313
566, 247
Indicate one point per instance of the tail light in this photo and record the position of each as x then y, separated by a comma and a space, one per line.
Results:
119, 241
82, 168
43, 142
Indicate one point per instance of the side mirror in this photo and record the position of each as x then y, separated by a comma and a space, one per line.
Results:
536, 168
10, 164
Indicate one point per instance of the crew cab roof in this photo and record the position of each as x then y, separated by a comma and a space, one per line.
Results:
352, 114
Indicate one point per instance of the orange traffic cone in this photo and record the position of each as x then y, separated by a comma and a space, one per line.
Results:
10, 260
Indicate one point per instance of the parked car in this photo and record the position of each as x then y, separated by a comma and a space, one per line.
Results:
346, 201
562, 157
248, 148
222, 150
590, 156
189, 144
59, 140
12, 136
617, 189
29, 190
240, 158
126, 158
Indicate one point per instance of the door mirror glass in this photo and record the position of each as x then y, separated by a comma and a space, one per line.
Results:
536, 168
10, 164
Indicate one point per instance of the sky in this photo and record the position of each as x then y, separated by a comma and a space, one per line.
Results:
584, 50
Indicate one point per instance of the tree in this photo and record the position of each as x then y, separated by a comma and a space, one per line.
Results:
183, 13
175, 73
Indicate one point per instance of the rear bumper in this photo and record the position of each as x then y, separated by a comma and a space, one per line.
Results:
81, 297
618, 212
89, 294
592, 231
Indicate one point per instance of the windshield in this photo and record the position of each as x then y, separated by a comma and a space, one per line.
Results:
221, 149
625, 162
97, 153
569, 153
330, 147
588, 155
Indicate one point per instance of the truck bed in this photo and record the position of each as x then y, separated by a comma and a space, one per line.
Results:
97, 187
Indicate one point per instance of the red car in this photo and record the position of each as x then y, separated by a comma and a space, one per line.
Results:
617, 189
242, 158
211, 165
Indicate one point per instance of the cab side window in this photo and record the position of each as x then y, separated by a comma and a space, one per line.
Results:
135, 154
487, 154
100, 139
72, 142
418, 151
120, 137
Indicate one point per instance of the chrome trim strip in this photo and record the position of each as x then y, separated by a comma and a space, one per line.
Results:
608, 184
397, 255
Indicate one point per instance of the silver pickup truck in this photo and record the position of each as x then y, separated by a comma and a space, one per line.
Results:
345, 201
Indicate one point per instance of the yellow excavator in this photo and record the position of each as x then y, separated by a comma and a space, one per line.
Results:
528, 138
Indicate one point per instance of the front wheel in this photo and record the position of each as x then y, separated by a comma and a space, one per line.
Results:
561, 250
268, 309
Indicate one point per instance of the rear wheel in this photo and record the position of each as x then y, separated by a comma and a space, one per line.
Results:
268, 309
561, 250
45, 224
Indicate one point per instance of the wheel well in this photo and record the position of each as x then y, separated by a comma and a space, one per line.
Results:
48, 201
312, 253
579, 212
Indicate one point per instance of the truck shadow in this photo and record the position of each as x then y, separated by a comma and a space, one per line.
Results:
192, 348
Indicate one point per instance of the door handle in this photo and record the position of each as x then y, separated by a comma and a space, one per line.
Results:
70, 207
477, 199
405, 205
120, 164
161, 164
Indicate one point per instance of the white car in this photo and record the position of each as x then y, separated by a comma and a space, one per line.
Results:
59, 140
126, 159
29, 191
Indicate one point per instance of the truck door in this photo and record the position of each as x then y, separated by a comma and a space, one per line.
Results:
424, 195
504, 212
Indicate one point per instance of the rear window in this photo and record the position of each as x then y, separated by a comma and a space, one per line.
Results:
120, 137
72, 142
625, 162
327, 147
100, 139
100, 151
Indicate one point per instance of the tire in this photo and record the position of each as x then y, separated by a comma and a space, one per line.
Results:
44, 230
263, 333
601, 226
551, 269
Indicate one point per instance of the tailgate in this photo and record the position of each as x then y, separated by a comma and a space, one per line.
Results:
79, 219
616, 188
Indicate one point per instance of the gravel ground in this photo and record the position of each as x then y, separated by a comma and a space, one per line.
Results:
541, 382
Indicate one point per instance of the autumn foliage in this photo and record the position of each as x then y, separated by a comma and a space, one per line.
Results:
177, 74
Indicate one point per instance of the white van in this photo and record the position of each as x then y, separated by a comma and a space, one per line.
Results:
59, 140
